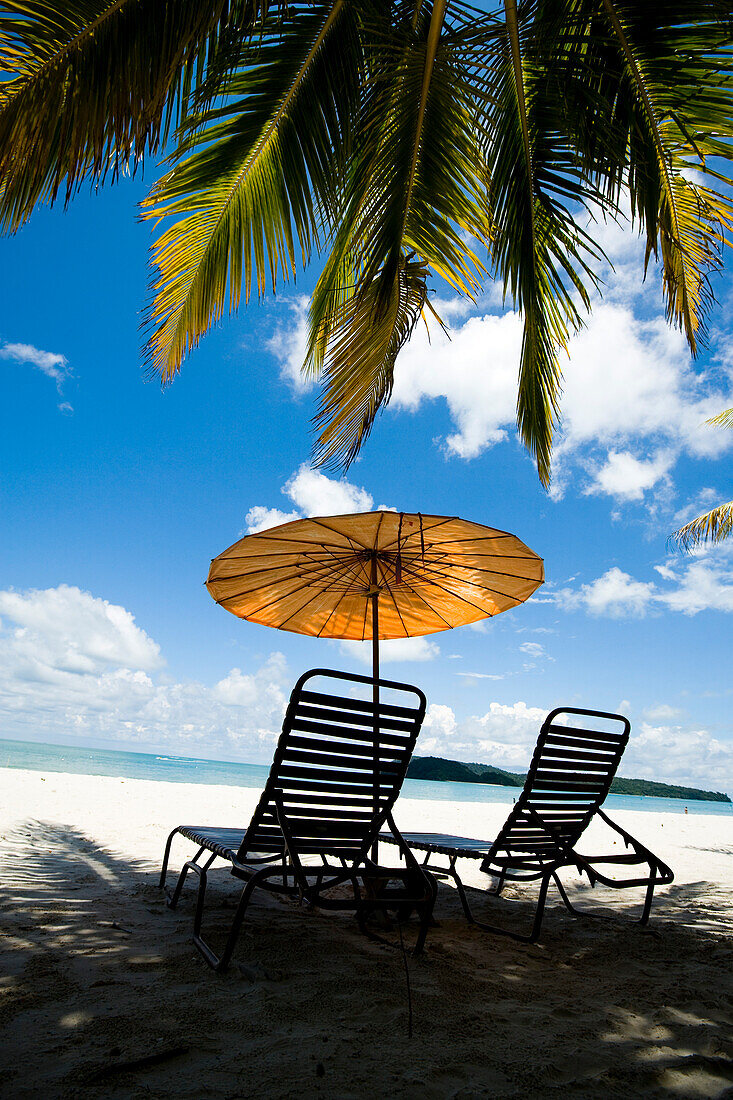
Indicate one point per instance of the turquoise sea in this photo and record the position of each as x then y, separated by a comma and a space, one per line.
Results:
35, 756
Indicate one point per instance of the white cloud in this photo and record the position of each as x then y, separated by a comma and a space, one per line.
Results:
475, 371
392, 651
615, 594
532, 649
703, 584
72, 664
662, 711
506, 734
50, 363
289, 341
632, 402
675, 754
251, 689
259, 518
69, 630
317, 495
313, 494
627, 478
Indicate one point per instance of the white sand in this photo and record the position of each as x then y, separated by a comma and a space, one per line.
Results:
97, 976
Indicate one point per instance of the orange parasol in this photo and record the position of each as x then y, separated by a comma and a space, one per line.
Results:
374, 575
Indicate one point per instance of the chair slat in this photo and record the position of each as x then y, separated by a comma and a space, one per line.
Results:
347, 703
357, 718
347, 751
570, 735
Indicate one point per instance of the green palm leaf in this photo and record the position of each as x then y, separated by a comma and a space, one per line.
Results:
655, 103
90, 86
416, 191
539, 251
260, 166
713, 526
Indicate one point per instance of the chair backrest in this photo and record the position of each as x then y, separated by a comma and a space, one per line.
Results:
568, 779
331, 750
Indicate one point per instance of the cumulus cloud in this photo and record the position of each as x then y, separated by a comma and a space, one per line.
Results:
74, 664
506, 734
677, 754
627, 478
474, 371
313, 494
289, 341
392, 651
259, 518
615, 594
632, 402
631, 406
662, 711
50, 363
705, 584
66, 629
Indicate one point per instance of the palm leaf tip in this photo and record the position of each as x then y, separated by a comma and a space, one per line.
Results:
711, 528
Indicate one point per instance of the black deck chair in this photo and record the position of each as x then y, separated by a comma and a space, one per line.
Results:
317, 819
568, 780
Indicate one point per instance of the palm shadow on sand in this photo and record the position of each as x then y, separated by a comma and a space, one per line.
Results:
103, 993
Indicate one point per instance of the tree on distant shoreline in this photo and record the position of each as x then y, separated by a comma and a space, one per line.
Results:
403, 141
716, 525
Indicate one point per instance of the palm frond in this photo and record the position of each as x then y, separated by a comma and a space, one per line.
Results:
723, 419
538, 249
260, 170
654, 118
367, 333
711, 527
414, 198
90, 86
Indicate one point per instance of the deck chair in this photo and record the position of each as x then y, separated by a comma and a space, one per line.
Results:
568, 779
316, 820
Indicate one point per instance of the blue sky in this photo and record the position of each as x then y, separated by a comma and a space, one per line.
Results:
115, 495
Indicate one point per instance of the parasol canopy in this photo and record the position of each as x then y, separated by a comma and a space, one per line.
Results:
405, 574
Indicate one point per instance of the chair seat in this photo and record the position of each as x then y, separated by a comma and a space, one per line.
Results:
223, 842
444, 843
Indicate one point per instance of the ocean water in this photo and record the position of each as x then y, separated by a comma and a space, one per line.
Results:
35, 756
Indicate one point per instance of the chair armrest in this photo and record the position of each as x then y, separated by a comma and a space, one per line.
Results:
639, 848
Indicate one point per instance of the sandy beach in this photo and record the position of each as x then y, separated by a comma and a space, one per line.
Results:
103, 993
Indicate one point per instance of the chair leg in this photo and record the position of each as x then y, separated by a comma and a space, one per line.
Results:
190, 865
426, 914
536, 924
643, 920
568, 904
221, 962
461, 891
166, 856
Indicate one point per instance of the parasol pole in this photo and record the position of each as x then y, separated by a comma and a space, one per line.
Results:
375, 692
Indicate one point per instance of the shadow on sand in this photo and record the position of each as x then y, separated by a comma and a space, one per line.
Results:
104, 995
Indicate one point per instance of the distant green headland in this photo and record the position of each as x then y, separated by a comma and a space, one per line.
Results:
437, 769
